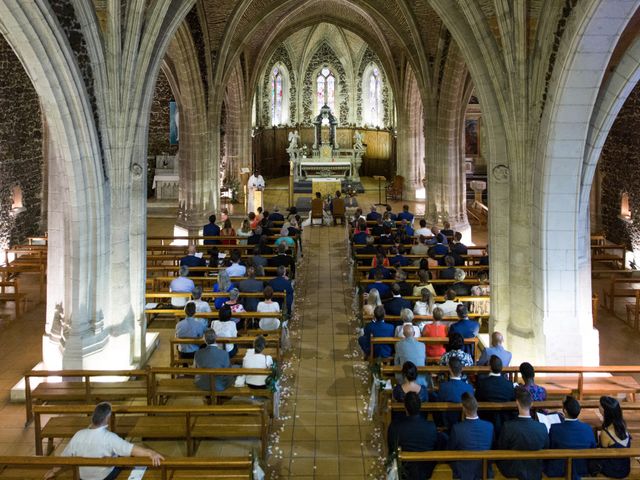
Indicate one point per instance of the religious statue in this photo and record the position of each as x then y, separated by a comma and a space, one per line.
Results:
293, 140
357, 141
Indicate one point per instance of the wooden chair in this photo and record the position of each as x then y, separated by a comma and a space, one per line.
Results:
317, 210
395, 188
338, 210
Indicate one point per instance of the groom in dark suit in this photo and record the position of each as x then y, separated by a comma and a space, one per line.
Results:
571, 434
471, 434
495, 388
523, 433
413, 433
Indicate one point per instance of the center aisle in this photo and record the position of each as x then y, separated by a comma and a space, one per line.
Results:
324, 432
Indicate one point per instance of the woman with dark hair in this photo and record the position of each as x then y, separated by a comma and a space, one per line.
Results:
538, 393
614, 434
254, 358
456, 349
424, 277
410, 384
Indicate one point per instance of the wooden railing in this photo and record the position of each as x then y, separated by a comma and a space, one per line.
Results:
227, 467
486, 456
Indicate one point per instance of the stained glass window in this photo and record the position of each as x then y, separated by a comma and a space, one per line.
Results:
326, 89
277, 96
373, 114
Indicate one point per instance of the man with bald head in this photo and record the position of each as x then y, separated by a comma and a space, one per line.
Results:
496, 349
411, 350
191, 260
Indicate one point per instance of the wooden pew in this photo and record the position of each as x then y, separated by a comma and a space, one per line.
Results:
587, 414
164, 388
173, 271
558, 380
272, 338
181, 250
178, 468
204, 282
174, 260
487, 456
614, 254
77, 386
633, 312
613, 291
10, 292
190, 424
426, 340
214, 314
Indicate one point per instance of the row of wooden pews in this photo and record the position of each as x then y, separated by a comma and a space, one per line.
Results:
176, 468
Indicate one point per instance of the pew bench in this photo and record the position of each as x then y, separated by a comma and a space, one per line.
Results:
488, 456
616, 289
68, 386
613, 254
164, 388
558, 381
272, 338
254, 317
426, 340
10, 292
191, 424
176, 468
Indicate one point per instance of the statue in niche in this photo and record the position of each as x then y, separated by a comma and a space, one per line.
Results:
294, 137
357, 141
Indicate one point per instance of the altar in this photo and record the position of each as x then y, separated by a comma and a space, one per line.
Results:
327, 159
166, 179
311, 168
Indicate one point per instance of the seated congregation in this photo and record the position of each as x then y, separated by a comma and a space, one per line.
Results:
435, 319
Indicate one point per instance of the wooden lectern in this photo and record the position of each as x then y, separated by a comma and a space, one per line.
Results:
257, 198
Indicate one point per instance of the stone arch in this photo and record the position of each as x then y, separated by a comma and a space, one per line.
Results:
196, 188
238, 122
570, 150
75, 170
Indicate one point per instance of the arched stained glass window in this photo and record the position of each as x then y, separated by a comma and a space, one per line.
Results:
277, 97
373, 114
326, 89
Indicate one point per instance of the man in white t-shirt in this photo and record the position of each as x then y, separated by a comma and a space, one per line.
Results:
98, 442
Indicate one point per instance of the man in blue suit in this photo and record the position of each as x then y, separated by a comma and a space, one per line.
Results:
523, 433
571, 434
452, 390
211, 230
471, 434
397, 303
383, 288
282, 284
465, 327
405, 214
495, 388
379, 328
413, 433
191, 260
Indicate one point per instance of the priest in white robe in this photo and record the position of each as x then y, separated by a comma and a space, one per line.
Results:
256, 183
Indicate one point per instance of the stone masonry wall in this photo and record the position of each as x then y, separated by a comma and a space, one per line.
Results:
620, 168
158, 141
21, 159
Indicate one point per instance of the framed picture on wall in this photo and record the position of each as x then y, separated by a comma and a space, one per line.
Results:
174, 123
471, 127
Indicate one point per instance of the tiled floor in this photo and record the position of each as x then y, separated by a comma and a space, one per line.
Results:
326, 433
